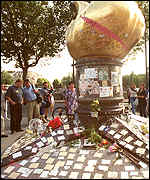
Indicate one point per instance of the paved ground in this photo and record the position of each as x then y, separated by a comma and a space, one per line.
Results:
5, 142
73, 163
69, 163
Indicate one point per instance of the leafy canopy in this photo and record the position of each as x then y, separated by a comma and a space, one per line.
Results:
31, 30
6, 78
40, 82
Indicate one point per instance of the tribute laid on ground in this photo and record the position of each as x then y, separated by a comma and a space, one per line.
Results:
108, 142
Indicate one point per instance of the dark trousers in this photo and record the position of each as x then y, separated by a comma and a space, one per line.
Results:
142, 107
16, 116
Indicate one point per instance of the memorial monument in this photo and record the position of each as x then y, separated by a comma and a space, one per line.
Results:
98, 39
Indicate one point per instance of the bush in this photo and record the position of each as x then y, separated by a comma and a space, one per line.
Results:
6, 78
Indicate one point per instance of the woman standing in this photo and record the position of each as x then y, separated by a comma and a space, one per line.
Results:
142, 94
132, 94
71, 101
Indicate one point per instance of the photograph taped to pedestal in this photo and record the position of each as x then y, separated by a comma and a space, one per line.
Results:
106, 91
104, 83
103, 73
91, 73
114, 79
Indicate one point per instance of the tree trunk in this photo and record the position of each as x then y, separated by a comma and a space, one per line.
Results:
146, 61
25, 71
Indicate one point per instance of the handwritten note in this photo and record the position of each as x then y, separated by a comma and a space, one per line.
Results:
90, 73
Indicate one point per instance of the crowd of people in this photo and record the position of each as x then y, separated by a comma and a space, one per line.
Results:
27, 94
139, 99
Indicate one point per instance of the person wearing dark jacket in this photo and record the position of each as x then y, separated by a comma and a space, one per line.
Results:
14, 95
142, 94
46, 103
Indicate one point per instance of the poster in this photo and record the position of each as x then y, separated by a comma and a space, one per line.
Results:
106, 91
104, 83
114, 78
95, 87
83, 85
82, 77
103, 73
90, 73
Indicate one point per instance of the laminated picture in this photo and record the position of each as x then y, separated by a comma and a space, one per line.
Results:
95, 87
83, 85
104, 83
103, 73
114, 79
82, 77
106, 91
90, 73
116, 90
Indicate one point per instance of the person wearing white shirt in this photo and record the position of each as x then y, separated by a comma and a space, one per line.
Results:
132, 94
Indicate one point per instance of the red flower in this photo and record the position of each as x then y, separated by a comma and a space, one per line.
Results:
104, 141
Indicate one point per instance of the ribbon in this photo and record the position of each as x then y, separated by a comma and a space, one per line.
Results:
103, 29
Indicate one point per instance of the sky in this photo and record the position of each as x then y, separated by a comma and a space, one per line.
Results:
58, 67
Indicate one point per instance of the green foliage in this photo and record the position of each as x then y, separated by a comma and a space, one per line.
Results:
65, 80
40, 82
133, 78
6, 78
72, 143
31, 30
95, 106
56, 84
92, 136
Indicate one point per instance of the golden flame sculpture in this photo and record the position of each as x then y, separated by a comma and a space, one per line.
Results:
104, 29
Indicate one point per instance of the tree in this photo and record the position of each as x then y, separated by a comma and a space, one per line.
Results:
133, 78
65, 80
40, 82
31, 30
56, 84
144, 6
6, 78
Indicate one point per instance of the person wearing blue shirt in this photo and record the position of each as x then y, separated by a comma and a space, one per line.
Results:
30, 100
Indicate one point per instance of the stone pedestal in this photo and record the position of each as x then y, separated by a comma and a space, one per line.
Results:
98, 79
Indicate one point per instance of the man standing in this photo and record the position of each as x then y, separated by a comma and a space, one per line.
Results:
142, 95
46, 96
14, 97
30, 100
3, 111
